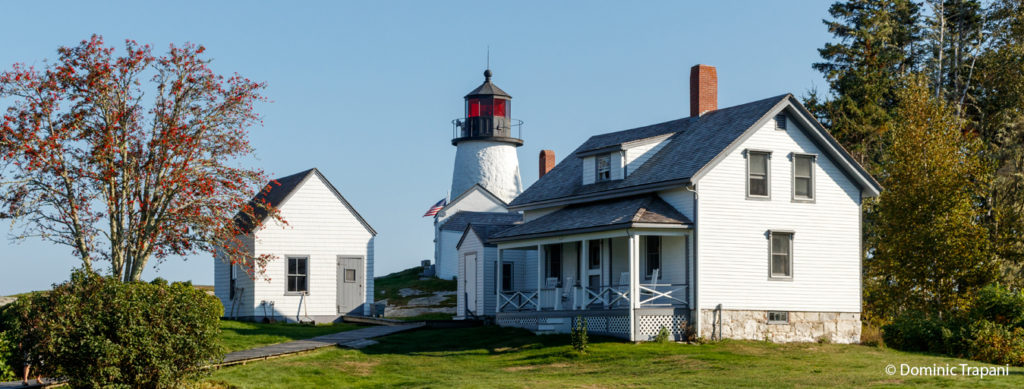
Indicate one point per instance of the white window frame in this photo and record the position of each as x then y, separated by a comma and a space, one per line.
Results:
597, 168
777, 320
814, 163
767, 176
789, 255
287, 275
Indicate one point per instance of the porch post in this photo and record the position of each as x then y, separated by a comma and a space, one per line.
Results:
498, 284
540, 272
584, 276
634, 286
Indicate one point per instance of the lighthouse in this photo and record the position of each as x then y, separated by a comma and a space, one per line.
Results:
486, 144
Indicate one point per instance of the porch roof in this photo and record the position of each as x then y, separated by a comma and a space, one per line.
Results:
597, 216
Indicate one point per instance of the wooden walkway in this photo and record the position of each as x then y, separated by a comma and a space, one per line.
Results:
297, 346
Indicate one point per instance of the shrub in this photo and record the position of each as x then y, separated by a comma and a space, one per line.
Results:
1000, 305
8, 367
663, 335
914, 332
995, 343
871, 336
578, 335
97, 331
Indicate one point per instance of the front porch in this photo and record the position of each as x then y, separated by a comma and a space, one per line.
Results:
627, 283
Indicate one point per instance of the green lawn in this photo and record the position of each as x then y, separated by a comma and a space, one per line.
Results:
494, 357
238, 335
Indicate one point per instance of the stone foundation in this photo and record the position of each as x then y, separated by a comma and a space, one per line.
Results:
834, 327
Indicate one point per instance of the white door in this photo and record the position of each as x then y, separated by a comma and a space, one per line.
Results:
469, 283
351, 293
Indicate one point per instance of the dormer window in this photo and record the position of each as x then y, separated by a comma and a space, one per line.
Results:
604, 167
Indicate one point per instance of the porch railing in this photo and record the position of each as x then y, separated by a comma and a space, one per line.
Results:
604, 297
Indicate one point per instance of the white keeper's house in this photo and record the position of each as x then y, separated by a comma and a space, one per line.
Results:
323, 258
741, 222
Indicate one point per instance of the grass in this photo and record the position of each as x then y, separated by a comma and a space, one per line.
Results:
496, 357
238, 335
387, 287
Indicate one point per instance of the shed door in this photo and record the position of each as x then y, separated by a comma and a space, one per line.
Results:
469, 283
351, 293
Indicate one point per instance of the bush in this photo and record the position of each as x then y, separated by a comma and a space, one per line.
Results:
663, 335
578, 335
995, 343
97, 331
8, 367
914, 332
871, 335
1000, 305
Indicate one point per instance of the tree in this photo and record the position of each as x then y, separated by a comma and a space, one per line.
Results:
85, 163
877, 44
931, 251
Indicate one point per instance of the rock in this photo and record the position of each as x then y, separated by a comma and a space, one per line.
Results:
7, 300
406, 292
427, 301
410, 312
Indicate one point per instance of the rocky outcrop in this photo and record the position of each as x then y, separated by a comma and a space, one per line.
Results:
6, 300
834, 327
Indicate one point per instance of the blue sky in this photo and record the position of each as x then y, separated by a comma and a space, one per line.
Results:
366, 91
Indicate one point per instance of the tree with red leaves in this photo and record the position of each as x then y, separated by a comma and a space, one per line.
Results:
85, 163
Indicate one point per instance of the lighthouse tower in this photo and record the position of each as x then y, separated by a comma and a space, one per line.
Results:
486, 144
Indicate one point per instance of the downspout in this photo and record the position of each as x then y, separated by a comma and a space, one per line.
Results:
696, 284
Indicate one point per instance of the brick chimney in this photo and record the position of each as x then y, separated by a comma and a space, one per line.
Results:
547, 161
703, 89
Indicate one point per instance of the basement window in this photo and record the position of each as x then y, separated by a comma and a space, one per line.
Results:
778, 317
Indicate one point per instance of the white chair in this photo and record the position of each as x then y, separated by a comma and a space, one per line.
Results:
551, 283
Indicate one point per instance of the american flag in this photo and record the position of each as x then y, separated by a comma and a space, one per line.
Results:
436, 207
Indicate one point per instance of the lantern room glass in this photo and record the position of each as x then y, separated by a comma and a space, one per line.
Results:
476, 107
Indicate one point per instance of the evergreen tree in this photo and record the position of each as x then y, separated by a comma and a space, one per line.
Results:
877, 44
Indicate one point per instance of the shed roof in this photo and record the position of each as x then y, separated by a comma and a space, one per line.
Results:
277, 192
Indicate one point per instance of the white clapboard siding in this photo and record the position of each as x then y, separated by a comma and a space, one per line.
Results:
733, 245
589, 169
618, 166
321, 228
222, 283
447, 261
637, 155
679, 198
474, 200
483, 278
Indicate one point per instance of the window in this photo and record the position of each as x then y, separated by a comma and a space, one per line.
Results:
780, 122
298, 271
555, 262
776, 317
757, 174
604, 167
781, 254
499, 108
653, 254
506, 276
803, 177
594, 252
350, 275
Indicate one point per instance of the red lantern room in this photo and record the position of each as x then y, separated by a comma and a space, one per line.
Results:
488, 115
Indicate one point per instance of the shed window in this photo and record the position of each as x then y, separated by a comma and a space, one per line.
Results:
780, 122
350, 275
803, 177
757, 174
298, 272
781, 260
604, 167
652, 254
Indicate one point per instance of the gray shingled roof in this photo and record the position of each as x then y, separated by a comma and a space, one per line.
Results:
484, 232
461, 219
598, 216
696, 141
277, 190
